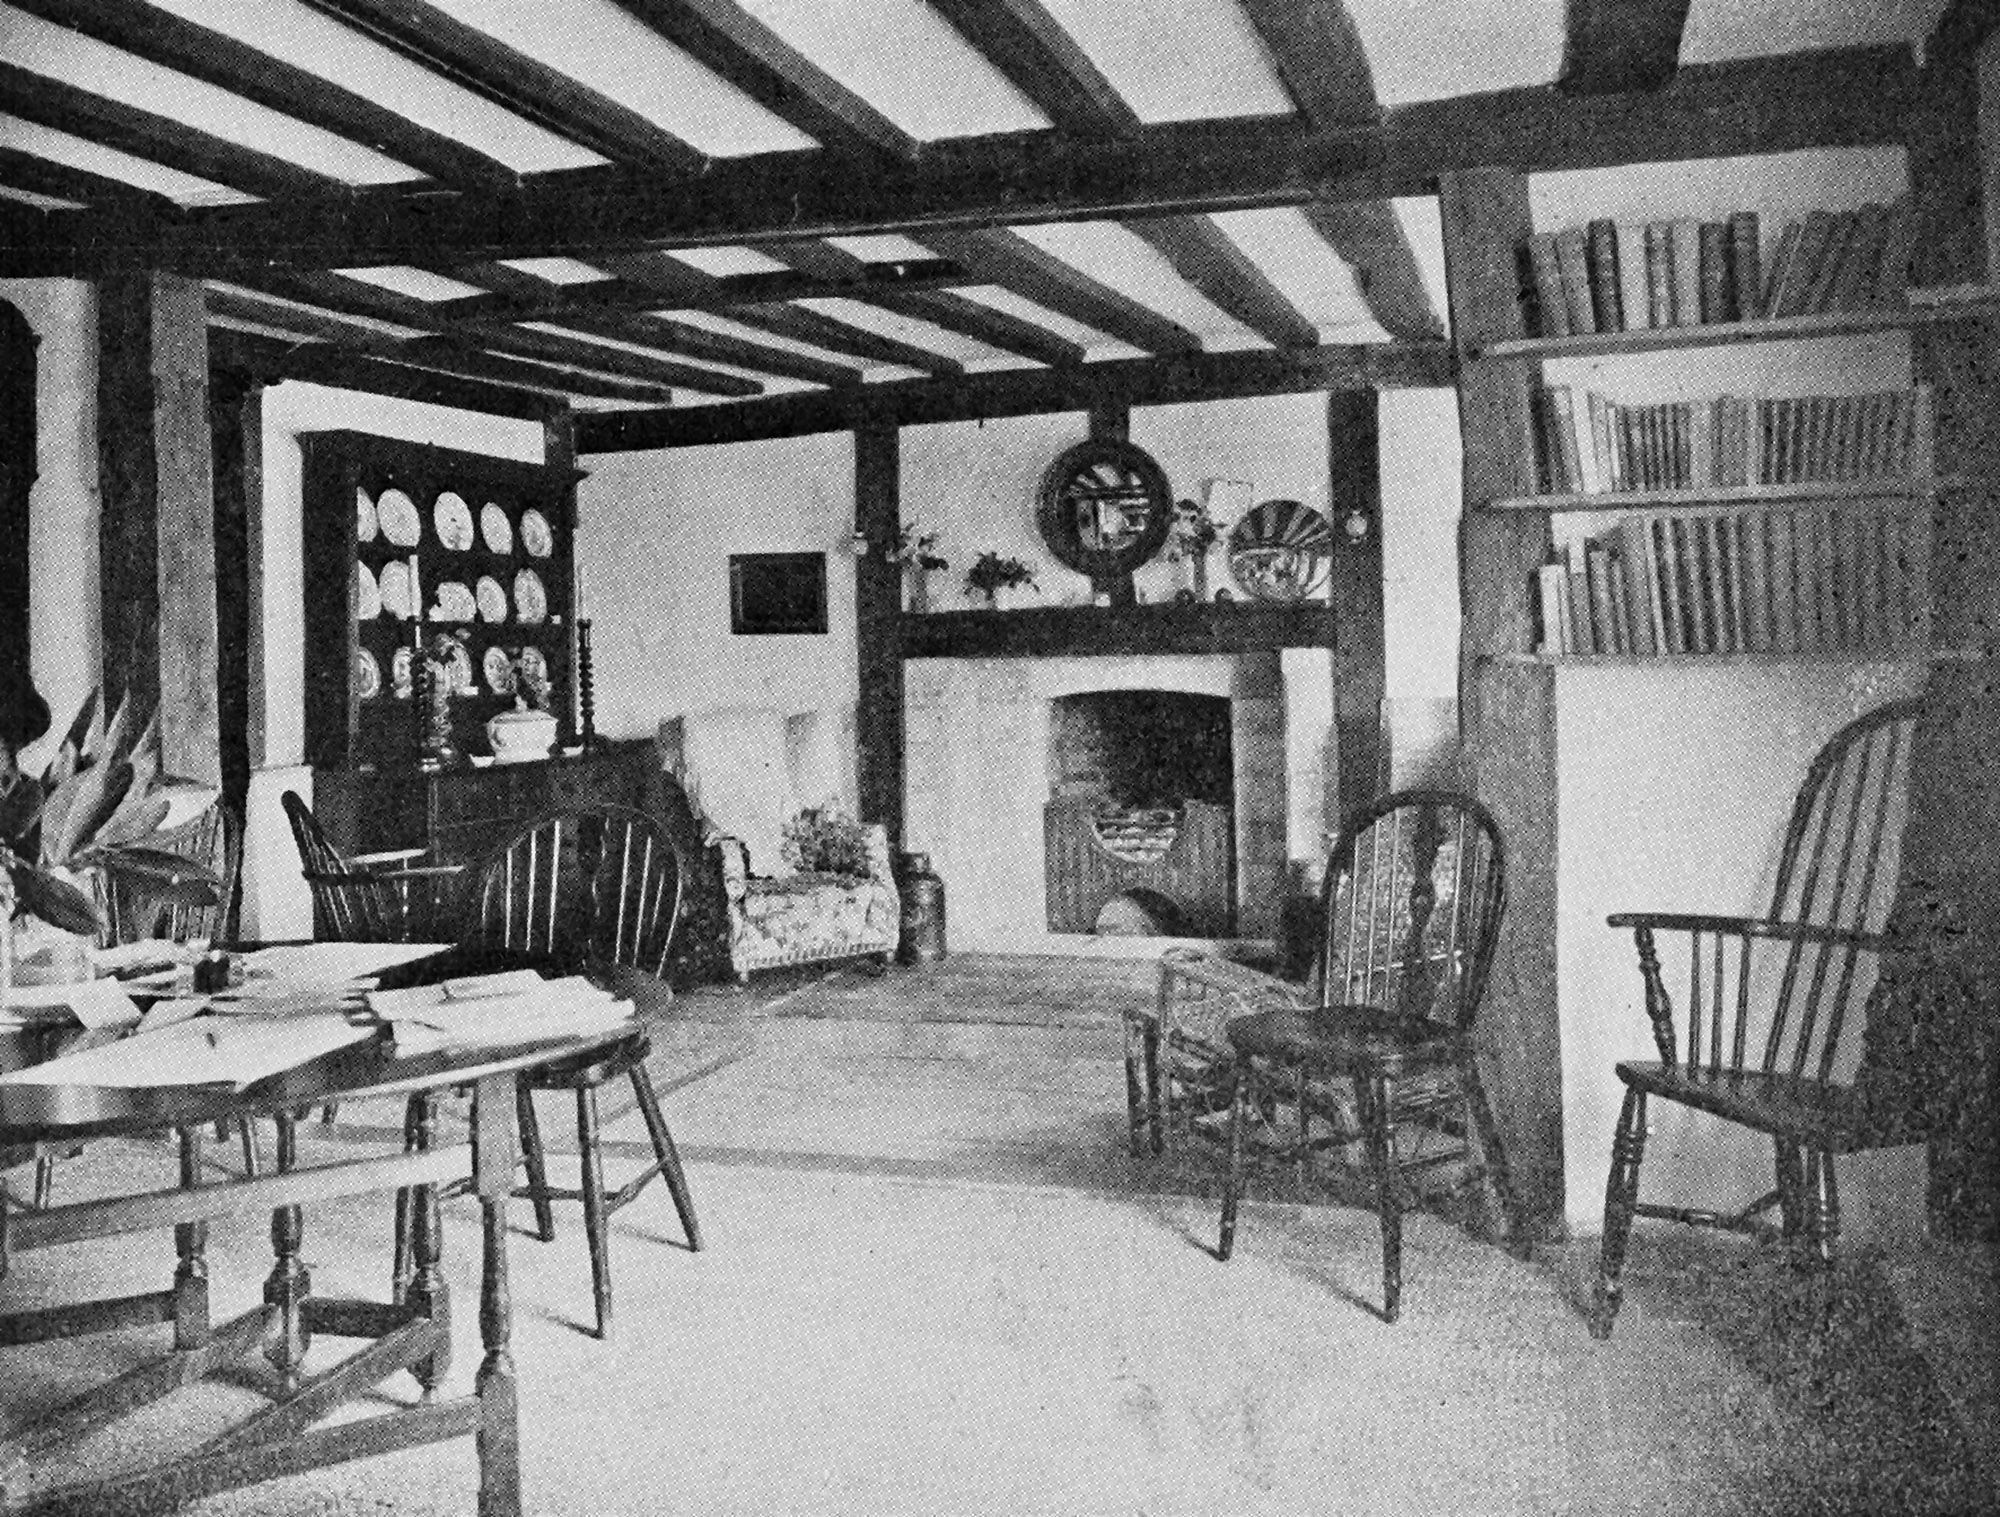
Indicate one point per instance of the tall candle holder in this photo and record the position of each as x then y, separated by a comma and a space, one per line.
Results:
586, 703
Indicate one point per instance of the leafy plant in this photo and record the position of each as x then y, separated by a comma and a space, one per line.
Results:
107, 806
1195, 532
990, 573
917, 549
825, 840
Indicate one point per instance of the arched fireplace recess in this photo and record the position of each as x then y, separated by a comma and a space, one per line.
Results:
1139, 827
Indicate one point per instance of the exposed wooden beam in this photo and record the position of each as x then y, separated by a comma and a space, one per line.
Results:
271, 359
44, 176
1011, 261
157, 139
1028, 45
1371, 241
1616, 47
1842, 98
721, 294
551, 99
1027, 392
697, 342
598, 357
219, 59
730, 42
1318, 52
1225, 274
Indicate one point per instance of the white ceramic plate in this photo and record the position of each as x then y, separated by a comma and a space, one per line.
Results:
365, 523
492, 599
402, 677
395, 587
400, 522
535, 534
457, 666
367, 595
495, 529
531, 601
499, 671
453, 519
455, 602
367, 675
533, 676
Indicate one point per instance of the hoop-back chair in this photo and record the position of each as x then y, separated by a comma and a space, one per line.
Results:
387, 897
1777, 1007
1410, 909
594, 888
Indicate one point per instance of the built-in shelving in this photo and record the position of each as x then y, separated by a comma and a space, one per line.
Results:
1065, 631
1655, 340
1737, 497
1719, 660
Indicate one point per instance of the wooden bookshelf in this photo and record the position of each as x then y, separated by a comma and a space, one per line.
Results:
1715, 334
1745, 660
1738, 497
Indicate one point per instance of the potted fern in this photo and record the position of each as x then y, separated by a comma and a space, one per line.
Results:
990, 574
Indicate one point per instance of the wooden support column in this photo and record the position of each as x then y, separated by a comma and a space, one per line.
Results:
878, 603
1111, 421
1354, 470
559, 452
236, 426
1507, 709
157, 530
17, 478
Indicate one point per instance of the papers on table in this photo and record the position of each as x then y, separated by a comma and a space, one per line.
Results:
94, 1003
496, 1011
228, 1051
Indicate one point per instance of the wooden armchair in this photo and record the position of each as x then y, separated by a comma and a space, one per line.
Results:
375, 897
1777, 1008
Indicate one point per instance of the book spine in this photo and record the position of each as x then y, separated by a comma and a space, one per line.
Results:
1572, 460
1552, 582
1577, 579
1601, 248
1660, 273
1551, 306
1603, 610
1777, 271
1712, 243
1754, 557
1602, 444
1892, 268
1826, 263
1803, 264
1634, 289
1781, 578
1621, 600
1687, 272
1642, 589
1853, 287
1573, 261
1746, 279
1665, 535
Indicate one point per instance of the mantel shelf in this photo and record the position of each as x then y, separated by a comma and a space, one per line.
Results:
1082, 631
1647, 660
1727, 497
1722, 333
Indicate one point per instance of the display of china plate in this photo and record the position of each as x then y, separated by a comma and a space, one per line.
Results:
365, 523
453, 519
400, 522
396, 589
495, 530
492, 599
535, 534
499, 671
1279, 550
457, 666
402, 675
533, 676
367, 596
531, 601
455, 603
367, 675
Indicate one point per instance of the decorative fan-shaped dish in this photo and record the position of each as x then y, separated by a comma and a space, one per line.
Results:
531, 601
1279, 550
453, 519
396, 588
492, 599
535, 534
367, 675
367, 595
398, 515
495, 530
365, 523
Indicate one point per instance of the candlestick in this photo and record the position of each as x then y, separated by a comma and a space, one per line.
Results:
585, 702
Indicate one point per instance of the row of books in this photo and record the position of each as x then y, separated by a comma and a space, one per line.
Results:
1604, 277
1587, 444
1845, 579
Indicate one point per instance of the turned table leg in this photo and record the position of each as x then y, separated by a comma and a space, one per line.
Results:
290, 1281
493, 1178
190, 1244
427, 1292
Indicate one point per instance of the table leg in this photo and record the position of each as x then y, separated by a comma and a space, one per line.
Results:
190, 1244
290, 1282
493, 1178
427, 1291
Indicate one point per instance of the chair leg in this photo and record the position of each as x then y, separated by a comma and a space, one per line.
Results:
1822, 1211
536, 1159
45, 1180
1791, 1196
668, 1155
253, 1161
1621, 1197
1376, 1093
403, 1267
1135, 1089
1496, 1186
595, 1216
1238, 1090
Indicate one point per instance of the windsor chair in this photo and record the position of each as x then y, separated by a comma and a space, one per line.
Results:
375, 897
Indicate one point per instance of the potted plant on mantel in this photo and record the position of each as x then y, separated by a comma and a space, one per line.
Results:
107, 816
916, 551
990, 574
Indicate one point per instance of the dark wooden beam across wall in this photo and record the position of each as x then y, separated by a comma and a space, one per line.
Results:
1227, 277
1041, 60
1011, 261
18, 467
44, 176
1360, 679
1613, 47
1118, 631
1372, 242
1842, 97
1319, 54
1025, 392
878, 605
235, 420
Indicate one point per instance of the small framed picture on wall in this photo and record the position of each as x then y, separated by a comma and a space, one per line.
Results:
777, 593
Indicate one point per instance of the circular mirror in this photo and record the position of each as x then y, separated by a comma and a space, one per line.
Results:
1104, 507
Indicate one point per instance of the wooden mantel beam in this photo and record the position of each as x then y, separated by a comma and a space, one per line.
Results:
1844, 97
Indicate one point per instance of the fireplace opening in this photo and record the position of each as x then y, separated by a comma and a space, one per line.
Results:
1140, 823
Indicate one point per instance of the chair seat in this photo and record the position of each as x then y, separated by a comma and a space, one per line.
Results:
1344, 1036
600, 1066
1800, 1109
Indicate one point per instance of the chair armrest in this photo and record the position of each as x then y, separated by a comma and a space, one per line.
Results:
386, 856
735, 866
875, 837
1759, 927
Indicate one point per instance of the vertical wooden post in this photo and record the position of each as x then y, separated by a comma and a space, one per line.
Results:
1507, 709
878, 594
1111, 421
559, 452
1354, 469
157, 530
17, 477
236, 427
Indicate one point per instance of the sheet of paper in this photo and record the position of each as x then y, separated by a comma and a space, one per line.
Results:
331, 963
95, 1003
227, 1051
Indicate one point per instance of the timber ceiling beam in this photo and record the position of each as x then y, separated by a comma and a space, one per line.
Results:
1840, 98
44, 176
1025, 392
1012, 262
272, 359
1206, 258
1041, 60
551, 99
730, 42
1317, 51
219, 59
1372, 242
1615, 47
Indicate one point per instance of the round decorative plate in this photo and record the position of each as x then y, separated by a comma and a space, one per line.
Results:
1279, 550
396, 589
495, 529
535, 534
367, 595
398, 515
534, 677
367, 675
455, 602
365, 523
402, 675
1104, 507
453, 519
492, 599
531, 601
499, 671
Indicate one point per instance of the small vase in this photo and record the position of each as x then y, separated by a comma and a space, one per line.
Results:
920, 591
1198, 571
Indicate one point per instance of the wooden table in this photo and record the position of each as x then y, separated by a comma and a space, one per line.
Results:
409, 1331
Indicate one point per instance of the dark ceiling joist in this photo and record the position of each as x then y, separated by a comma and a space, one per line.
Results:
1011, 261
157, 139
270, 359
600, 358
1613, 47
721, 294
549, 98
711, 347
1372, 242
1847, 97
1025, 392
733, 44
1026, 44
1317, 51
219, 59
1203, 256
44, 176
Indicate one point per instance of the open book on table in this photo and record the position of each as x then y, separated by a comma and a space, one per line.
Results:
496, 1011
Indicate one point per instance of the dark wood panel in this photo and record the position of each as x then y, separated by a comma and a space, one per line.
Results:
1360, 678
1218, 627
17, 477
877, 605
1621, 46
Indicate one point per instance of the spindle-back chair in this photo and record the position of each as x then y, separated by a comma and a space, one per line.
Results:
386, 897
